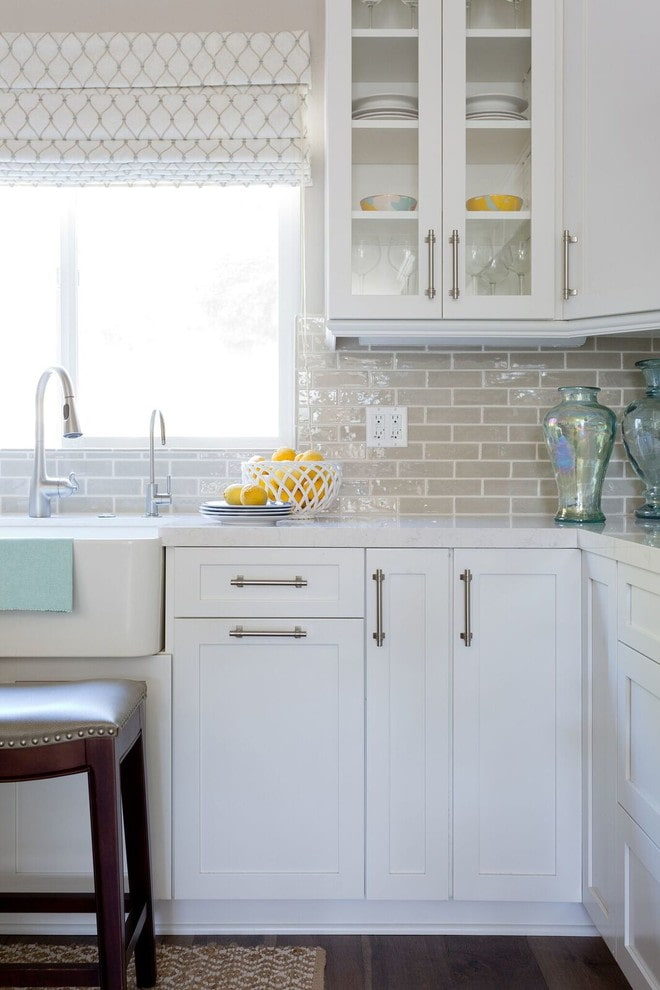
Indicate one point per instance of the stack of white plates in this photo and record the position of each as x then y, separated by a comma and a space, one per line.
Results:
245, 515
495, 106
385, 106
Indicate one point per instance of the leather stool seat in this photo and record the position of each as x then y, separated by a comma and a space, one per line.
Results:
52, 729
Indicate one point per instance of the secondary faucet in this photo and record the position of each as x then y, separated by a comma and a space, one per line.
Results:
43, 488
154, 497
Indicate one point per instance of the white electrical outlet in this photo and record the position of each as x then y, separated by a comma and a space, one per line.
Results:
387, 426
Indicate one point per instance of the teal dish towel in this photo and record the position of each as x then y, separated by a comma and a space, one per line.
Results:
36, 575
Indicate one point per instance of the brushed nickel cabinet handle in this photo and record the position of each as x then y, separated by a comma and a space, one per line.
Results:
240, 633
454, 240
466, 635
241, 582
379, 635
568, 239
430, 240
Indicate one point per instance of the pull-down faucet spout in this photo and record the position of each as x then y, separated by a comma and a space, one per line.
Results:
154, 497
43, 488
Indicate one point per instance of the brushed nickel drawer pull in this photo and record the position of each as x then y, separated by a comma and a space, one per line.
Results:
430, 240
379, 635
296, 633
568, 239
454, 240
241, 582
466, 635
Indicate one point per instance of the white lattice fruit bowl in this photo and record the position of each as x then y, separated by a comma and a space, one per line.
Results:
308, 486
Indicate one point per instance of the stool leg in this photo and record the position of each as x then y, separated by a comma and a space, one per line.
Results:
138, 860
105, 812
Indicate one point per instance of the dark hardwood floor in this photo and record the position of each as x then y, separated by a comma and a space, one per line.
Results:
456, 962
443, 962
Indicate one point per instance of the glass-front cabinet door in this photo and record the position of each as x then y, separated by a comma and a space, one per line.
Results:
441, 159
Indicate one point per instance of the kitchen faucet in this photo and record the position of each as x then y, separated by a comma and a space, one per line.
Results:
43, 488
154, 497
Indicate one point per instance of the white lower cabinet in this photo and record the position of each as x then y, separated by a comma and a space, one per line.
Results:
268, 767
599, 713
44, 824
638, 776
638, 946
517, 721
407, 724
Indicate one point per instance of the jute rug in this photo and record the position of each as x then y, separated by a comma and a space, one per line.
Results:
203, 967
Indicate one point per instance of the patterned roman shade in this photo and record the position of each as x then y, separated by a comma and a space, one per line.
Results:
80, 109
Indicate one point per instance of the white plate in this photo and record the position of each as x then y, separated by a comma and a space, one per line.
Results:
219, 505
386, 115
390, 101
495, 115
244, 515
495, 102
249, 521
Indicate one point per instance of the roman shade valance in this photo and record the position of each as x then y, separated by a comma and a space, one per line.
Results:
79, 109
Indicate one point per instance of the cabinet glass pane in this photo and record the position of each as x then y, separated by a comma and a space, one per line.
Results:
498, 143
384, 148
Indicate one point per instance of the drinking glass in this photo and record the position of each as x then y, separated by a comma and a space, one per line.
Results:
413, 5
477, 255
516, 11
365, 255
517, 257
371, 4
495, 272
402, 257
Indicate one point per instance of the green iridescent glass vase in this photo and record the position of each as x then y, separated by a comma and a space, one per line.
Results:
579, 434
640, 429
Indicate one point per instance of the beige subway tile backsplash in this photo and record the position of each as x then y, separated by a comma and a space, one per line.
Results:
474, 428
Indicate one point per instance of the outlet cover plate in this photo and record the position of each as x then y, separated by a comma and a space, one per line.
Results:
387, 426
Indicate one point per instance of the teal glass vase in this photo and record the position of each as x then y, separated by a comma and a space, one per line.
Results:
579, 434
640, 429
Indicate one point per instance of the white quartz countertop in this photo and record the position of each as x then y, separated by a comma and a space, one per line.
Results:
624, 538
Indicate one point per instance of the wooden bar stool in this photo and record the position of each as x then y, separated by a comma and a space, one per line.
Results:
96, 727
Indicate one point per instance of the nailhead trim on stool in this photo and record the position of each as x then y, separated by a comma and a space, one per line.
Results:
96, 727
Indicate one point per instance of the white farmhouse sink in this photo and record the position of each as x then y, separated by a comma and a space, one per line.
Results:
117, 590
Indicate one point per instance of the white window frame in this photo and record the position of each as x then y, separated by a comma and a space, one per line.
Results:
290, 257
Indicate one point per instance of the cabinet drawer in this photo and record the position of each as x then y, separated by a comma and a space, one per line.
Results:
639, 610
639, 739
272, 582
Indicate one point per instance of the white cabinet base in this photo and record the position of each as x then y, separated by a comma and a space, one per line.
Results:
373, 917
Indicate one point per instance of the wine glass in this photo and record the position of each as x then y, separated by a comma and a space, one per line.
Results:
413, 4
365, 255
402, 257
495, 272
371, 4
516, 11
517, 257
477, 255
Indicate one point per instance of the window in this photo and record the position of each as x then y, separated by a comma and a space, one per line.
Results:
182, 298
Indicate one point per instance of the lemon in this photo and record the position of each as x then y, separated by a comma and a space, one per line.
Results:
283, 454
256, 459
253, 495
310, 455
232, 494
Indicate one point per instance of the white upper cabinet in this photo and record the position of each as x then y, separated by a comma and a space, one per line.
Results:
441, 103
611, 151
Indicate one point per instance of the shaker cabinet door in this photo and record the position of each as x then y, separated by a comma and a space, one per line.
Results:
268, 768
408, 724
517, 718
611, 151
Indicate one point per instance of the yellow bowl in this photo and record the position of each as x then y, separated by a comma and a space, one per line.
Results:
494, 201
